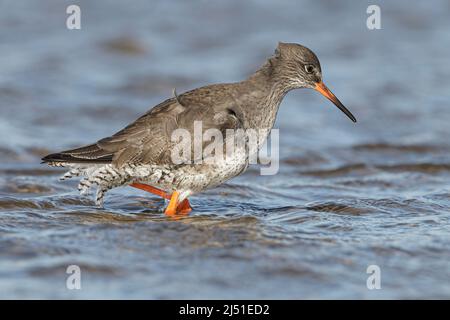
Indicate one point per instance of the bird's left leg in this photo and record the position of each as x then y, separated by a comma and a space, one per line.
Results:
174, 207
171, 209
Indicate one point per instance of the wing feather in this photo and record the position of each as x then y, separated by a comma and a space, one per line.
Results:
148, 139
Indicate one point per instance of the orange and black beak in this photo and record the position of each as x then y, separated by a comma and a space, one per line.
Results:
322, 88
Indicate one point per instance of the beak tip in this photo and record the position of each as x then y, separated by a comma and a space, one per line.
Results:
322, 88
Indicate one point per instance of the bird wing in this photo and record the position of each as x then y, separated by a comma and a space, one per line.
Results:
148, 139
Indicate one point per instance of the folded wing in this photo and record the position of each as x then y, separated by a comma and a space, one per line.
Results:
148, 139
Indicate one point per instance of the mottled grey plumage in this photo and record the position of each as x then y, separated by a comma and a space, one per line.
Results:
141, 152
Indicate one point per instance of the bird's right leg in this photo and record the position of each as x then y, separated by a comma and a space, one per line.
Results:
151, 189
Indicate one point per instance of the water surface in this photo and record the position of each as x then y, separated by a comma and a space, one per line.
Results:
347, 196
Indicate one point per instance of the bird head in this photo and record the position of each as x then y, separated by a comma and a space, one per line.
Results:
298, 67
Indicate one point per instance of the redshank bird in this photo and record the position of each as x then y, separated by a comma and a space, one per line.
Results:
140, 155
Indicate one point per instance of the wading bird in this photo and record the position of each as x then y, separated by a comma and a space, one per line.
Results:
140, 155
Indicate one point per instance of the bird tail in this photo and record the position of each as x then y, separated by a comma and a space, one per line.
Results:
89, 154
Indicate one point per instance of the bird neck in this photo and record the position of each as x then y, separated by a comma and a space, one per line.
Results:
266, 92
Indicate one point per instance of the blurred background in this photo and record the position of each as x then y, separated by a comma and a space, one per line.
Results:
347, 195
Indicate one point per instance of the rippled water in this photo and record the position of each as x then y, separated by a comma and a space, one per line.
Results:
347, 196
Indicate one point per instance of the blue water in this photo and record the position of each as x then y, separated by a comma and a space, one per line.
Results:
347, 195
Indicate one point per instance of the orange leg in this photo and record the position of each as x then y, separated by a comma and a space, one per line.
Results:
173, 208
151, 189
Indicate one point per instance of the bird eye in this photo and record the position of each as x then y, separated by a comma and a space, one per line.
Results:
309, 68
